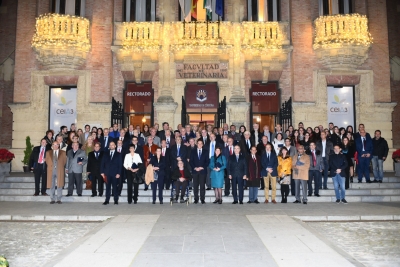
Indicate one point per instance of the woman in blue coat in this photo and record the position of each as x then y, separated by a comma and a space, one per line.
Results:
159, 165
217, 166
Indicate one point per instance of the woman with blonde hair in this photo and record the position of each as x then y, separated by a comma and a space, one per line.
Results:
284, 171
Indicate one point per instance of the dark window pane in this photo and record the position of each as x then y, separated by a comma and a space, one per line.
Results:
133, 10
62, 6
325, 4
77, 7
148, 10
254, 10
270, 6
53, 6
341, 6
351, 6
278, 2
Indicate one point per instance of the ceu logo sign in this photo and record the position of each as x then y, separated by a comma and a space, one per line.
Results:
201, 95
339, 109
64, 103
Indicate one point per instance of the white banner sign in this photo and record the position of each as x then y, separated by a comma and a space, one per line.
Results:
62, 108
341, 106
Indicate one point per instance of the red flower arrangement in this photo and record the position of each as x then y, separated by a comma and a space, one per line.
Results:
5, 155
396, 155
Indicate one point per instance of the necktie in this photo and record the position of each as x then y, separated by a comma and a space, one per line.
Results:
237, 158
105, 141
178, 148
254, 158
363, 141
226, 144
112, 153
184, 138
230, 151
314, 159
163, 152
74, 154
212, 149
55, 154
204, 140
268, 156
199, 154
120, 138
119, 150
97, 155
41, 155
248, 143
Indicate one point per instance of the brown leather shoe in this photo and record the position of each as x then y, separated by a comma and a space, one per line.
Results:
52, 202
273, 201
35, 195
266, 201
59, 202
45, 194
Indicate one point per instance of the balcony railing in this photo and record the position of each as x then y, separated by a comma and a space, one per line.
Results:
264, 35
143, 36
140, 35
338, 30
56, 30
61, 41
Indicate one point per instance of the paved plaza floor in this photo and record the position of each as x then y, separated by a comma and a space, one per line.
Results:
89, 234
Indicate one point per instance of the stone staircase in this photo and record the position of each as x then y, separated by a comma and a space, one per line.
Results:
20, 187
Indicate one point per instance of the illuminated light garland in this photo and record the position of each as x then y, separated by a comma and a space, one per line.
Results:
262, 35
61, 32
340, 30
142, 36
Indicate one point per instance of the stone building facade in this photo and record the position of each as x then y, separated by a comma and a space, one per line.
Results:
280, 49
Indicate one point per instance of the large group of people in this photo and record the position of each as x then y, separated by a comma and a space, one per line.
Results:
206, 158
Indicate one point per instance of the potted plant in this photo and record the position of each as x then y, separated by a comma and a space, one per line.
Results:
3, 262
27, 154
396, 160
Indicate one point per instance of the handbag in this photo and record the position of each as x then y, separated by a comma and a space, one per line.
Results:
138, 177
88, 184
284, 179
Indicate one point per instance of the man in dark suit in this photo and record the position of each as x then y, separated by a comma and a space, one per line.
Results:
178, 152
37, 163
227, 152
169, 139
166, 154
205, 138
93, 169
234, 135
199, 162
125, 140
161, 133
105, 140
138, 147
326, 148
269, 172
364, 147
267, 133
255, 134
237, 172
245, 145
129, 134
123, 151
140, 139
111, 166
316, 168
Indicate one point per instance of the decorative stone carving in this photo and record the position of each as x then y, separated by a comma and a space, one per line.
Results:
237, 113
347, 57
165, 111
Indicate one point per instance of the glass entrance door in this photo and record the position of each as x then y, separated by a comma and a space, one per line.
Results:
201, 118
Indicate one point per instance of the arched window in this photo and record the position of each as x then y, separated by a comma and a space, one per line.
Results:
263, 10
70, 7
139, 10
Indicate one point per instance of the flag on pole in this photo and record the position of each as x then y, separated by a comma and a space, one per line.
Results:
194, 9
207, 7
187, 17
219, 8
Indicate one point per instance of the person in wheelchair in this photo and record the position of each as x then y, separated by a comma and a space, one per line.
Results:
181, 177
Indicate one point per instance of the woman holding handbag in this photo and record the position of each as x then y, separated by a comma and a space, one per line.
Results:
217, 166
158, 162
132, 164
284, 171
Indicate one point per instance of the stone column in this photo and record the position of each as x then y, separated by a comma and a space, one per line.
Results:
165, 106
237, 105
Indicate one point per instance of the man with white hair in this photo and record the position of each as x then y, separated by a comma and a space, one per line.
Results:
245, 144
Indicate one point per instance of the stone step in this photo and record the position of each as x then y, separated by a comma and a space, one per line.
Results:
356, 185
32, 179
226, 200
210, 193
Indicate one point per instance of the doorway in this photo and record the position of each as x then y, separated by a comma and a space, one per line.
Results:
201, 118
264, 119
